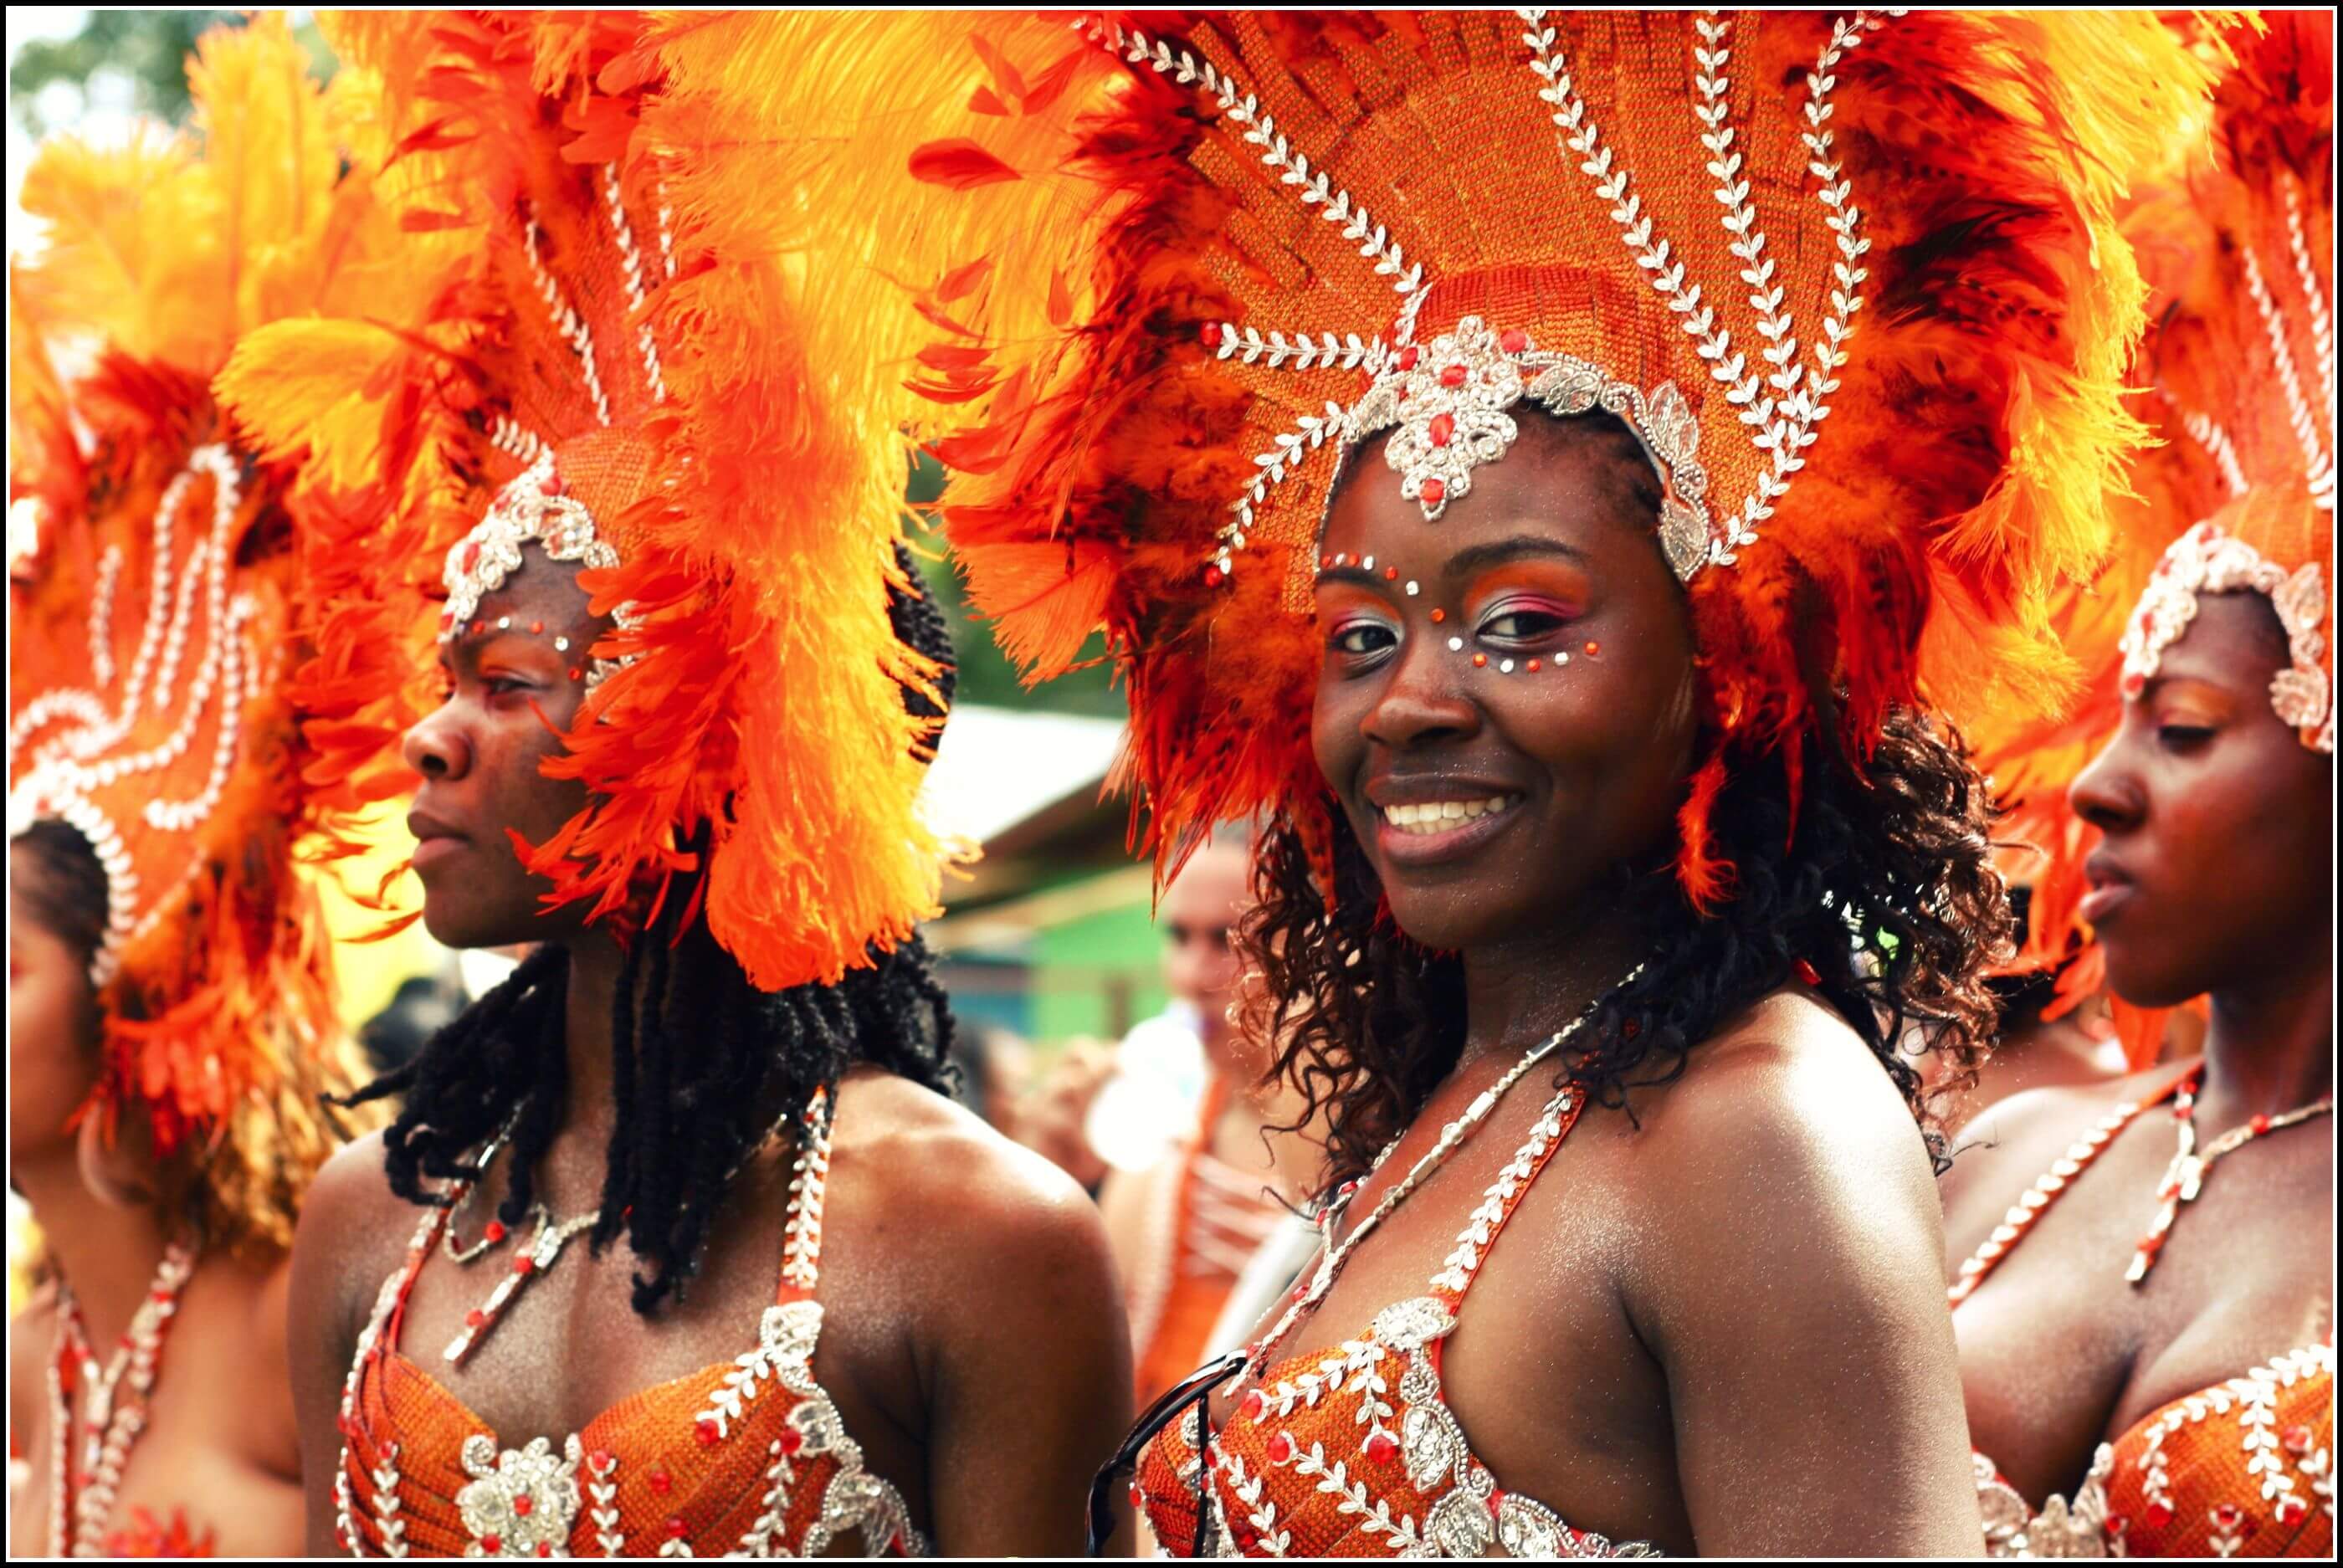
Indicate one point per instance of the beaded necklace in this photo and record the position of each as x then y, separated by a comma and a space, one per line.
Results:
1332, 1257
2188, 1170
114, 1421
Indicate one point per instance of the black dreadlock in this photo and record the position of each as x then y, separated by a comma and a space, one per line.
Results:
690, 1109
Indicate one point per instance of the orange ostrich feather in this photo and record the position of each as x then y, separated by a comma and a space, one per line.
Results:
2248, 180
701, 188
1940, 187
151, 619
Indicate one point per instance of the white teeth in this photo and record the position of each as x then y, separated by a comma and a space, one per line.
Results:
1439, 816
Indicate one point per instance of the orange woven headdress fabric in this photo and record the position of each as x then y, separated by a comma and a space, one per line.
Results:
672, 332
1853, 281
150, 620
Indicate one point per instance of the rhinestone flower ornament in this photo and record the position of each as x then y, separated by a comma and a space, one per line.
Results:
533, 508
1445, 404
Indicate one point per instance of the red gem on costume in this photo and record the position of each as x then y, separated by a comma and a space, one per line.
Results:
1442, 428
2261, 1125
1480, 661
1212, 576
1515, 342
2118, 1526
1434, 492
2226, 1516
707, 1432
2133, 684
475, 1318
661, 1482
1806, 971
1382, 1446
160, 1295
2186, 1111
523, 1503
1256, 1405
471, 557
2290, 1509
677, 1530
447, 619
1281, 1448
1212, 334
1138, 1498
601, 1459
1452, 375
1495, 1498
2157, 1514
524, 1264
549, 485
1408, 356
544, 1549
2298, 1440
791, 1440
492, 1543
1536, 664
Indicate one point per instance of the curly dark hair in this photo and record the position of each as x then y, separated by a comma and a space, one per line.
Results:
704, 1064
1886, 889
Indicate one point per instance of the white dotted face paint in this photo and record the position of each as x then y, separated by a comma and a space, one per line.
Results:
1412, 588
1455, 645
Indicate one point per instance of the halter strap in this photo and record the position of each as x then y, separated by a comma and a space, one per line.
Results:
2035, 1200
809, 1179
1504, 1194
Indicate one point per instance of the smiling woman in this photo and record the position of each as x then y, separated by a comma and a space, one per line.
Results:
1555, 467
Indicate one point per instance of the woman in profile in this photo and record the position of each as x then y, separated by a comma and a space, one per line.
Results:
2144, 1294
678, 1245
1554, 469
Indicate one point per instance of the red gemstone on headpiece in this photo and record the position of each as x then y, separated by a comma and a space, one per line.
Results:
1452, 375
705, 1430
1806, 971
1434, 492
1256, 1405
494, 1231
601, 1459
1213, 576
1281, 1448
1212, 334
1382, 1447
2224, 1515
791, 1440
1442, 428
549, 485
492, 1543
544, 1549
1515, 342
523, 1503
1407, 357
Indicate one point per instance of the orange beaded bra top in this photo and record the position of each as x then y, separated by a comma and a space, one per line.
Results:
746, 1457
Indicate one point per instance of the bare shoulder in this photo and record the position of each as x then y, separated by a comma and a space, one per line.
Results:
946, 1170
353, 1229
1785, 1092
32, 1335
2012, 1141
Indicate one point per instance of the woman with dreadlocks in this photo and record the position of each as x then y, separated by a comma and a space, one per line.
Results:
171, 1019
1581, 612
2145, 1309
706, 1262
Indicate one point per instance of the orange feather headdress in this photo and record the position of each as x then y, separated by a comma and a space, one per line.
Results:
2239, 489
1854, 283
149, 704
668, 351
